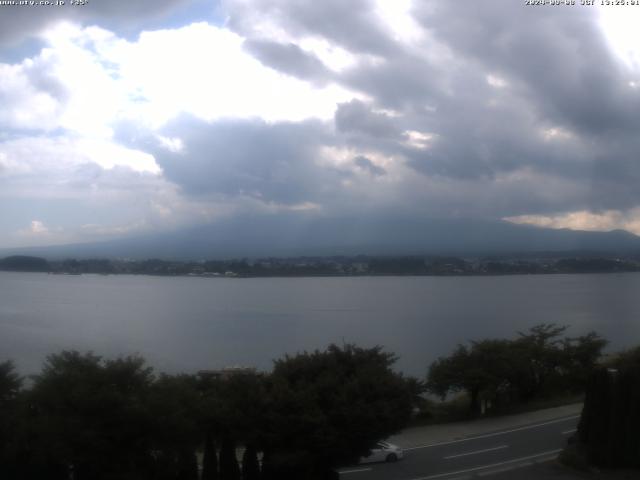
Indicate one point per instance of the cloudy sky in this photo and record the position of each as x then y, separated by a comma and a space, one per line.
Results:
119, 118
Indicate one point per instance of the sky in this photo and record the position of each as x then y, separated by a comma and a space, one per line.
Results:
123, 118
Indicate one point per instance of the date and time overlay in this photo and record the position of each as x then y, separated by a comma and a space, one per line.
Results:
583, 3
532, 3
43, 3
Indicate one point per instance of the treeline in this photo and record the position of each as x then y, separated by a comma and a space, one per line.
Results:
498, 373
326, 266
85, 417
609, 429
23, 263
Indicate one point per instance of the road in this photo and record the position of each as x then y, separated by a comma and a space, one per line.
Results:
474, 456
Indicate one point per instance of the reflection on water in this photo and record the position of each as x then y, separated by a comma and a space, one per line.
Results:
185, 324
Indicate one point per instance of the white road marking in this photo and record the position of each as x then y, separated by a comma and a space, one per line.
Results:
567, 432
492, 434
521, 459
477, 451
355, 471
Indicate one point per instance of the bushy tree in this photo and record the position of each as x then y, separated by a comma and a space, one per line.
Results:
541, 349
610, 420
482, 371
10, 385
538, 362
627, 359
10, 382
176, 431
232, 412
88, 418
250, 464
209, 458
229, 468
580, 357
330, 407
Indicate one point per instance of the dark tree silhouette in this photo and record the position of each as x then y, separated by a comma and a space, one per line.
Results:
250, 465
328, 408
209, 459
229, 468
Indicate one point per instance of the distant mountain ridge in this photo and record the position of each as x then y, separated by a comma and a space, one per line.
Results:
296, 235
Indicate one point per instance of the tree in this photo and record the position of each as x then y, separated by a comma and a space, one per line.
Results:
10, 385
250, 465
482, 371
176, 430
10, 382
328, 408
538, 362
233, 412
626, 359
610, 420
580, 358
88, 417
229, 469
209, 459
541, 351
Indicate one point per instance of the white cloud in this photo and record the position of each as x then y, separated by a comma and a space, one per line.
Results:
396, 16
419, 140
556, 133
173, 144
48, 158
496, 81
203, 70
37, 233
110, 155
23, 104
38, 228
200, 69
585, 220
620, 27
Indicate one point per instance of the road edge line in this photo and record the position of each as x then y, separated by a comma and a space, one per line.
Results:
483, 467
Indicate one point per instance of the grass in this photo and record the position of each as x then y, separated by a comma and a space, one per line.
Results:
456, 409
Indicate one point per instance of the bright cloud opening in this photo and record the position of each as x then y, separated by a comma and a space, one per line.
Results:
620, 26
585, 220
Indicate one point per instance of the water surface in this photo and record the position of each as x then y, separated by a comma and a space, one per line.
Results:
187, 324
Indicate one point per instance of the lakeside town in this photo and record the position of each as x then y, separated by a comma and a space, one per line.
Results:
331, 266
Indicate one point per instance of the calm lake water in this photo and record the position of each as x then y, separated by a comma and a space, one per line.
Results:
187, 324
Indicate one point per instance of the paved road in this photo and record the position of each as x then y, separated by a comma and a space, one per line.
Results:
474, 456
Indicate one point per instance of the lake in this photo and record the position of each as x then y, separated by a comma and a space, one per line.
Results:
187, 323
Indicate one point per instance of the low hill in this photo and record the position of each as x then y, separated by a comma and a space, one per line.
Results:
297, 235
24, 263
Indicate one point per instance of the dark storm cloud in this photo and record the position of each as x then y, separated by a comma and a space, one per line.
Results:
366, 164
269, 162
555, 73
560, 74
559, 55
19, 22
290, 59
500, 110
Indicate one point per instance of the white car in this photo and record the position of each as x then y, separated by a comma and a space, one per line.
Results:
383, 452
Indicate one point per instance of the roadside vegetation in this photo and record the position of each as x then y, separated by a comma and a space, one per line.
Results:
85, 417
541, 367
609, 430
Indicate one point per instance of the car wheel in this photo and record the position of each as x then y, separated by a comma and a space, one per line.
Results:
392, 457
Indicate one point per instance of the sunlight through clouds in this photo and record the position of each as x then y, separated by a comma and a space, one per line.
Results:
423, 108
620, 27
203, 70
585, 220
